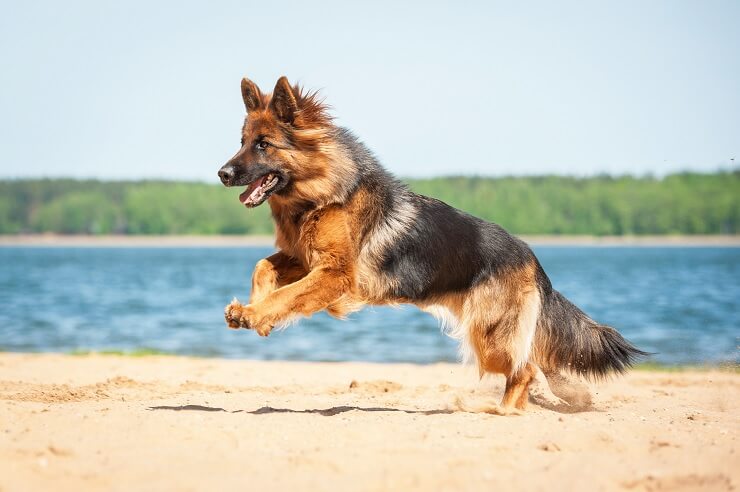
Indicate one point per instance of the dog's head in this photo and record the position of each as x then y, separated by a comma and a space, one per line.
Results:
284, 147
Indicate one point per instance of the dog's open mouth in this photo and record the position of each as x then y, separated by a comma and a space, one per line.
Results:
260, 189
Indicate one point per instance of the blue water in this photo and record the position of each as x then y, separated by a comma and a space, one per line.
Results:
679, 302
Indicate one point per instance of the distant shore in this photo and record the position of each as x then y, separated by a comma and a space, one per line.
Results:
218, 241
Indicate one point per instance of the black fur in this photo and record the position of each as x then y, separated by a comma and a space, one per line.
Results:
446, 250
567, 338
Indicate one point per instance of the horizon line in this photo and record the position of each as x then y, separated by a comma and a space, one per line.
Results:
646, 175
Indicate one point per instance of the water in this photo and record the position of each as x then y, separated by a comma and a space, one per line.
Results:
679, 302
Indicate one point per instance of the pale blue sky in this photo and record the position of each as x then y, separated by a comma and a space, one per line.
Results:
151, 89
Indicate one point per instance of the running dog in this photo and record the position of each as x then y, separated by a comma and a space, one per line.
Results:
349, 233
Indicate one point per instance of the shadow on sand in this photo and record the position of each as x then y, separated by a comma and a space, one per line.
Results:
327, 412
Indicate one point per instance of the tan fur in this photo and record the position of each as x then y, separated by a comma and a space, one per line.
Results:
495, 323
324, 250
272, 273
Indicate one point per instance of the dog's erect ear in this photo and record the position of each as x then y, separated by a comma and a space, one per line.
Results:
251, 95
283, 101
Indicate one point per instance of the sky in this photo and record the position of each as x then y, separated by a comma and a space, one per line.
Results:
130, 90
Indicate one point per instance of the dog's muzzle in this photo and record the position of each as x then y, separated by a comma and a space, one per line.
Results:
227, 174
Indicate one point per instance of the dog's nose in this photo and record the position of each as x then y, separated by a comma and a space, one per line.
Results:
226, 174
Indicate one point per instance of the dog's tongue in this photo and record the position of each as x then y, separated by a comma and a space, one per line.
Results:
247, 194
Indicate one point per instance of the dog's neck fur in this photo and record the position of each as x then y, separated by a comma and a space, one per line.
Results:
350, 163
334, 187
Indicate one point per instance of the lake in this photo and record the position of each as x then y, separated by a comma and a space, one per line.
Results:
681, 302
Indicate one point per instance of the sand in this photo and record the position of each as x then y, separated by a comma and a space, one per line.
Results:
170, 423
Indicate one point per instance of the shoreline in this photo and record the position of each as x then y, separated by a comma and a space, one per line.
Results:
119, 423
727, 366
222, 241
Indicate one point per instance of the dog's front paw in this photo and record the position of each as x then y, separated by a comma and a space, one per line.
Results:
241, 316
233, 315
263, 330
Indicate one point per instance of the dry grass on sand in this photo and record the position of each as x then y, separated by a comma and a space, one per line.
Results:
168, 423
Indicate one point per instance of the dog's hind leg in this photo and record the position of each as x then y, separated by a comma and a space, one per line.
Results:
516, 393
502, 338
515, 396
495, 355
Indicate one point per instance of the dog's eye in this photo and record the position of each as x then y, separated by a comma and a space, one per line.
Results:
242, 141
262, 145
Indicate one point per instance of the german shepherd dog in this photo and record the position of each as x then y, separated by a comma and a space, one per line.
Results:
348, 234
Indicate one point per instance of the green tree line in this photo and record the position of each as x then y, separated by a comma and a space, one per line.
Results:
684, 203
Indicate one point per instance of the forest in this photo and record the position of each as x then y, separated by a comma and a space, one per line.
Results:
682, 203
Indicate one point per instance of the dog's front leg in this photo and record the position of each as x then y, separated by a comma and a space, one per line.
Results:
274, 272
312, 293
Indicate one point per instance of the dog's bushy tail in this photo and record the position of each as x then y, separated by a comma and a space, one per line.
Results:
566, 338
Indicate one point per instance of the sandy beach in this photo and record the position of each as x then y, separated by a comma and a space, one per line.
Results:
100, 422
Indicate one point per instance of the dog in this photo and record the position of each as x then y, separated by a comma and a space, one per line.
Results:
350, 234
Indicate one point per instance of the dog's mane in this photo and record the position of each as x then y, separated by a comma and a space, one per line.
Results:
313, 125
312, 109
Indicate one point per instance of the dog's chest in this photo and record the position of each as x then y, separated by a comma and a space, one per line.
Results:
287, 239
295, 237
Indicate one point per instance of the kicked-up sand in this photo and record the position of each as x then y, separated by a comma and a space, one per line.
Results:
171, 423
